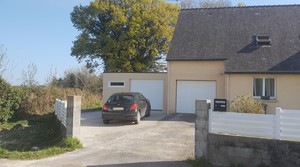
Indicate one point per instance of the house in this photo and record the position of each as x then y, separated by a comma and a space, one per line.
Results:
232, 51
152, 85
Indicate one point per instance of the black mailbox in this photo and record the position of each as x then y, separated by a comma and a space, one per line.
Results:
220, 104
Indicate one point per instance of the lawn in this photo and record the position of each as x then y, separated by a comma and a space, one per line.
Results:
34, 138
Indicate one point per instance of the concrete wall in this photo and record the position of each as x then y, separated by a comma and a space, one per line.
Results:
201, 128
223, 150
127, 77
251, 152
73, 116
287, 89
70, 125
194, 71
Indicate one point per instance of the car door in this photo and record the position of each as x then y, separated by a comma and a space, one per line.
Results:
143, 104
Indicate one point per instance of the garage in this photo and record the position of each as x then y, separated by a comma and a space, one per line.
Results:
189, 91
151, 89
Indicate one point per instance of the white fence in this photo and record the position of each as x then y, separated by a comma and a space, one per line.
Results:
284, 125
60, 110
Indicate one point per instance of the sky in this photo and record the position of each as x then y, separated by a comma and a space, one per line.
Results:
40, 32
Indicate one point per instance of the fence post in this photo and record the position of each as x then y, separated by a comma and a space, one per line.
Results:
210, 121
277, 123
201, 128
73, 116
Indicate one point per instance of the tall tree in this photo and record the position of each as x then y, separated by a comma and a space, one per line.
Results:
125, 35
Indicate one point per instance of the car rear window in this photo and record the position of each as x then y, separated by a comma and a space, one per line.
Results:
118, 98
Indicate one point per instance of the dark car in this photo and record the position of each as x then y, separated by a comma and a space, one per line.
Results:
126, 106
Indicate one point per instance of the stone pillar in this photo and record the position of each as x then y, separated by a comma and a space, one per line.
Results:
201, 128
73, 116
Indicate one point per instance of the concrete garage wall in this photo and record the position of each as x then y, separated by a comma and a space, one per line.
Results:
126, 78
194, 71
224, 150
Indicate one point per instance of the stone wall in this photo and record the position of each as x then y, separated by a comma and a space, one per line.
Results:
223, 150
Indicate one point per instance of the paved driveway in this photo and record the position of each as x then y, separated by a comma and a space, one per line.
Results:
159, 141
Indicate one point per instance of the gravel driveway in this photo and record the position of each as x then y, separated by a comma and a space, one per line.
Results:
160, 141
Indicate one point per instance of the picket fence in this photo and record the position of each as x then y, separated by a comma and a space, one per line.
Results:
284, 125
60, 110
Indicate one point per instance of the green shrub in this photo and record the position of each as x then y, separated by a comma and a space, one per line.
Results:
246, 104
71, 143
9, 100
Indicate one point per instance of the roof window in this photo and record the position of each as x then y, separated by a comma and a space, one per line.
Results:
263, 39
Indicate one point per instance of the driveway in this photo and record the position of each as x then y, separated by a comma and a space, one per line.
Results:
160, 141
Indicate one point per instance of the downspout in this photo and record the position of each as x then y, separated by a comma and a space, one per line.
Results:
227, 91
168, 87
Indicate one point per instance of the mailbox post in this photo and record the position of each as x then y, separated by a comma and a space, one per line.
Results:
220, 105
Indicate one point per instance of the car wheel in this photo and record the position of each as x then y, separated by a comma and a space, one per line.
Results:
105, 121
138, 118
147, 113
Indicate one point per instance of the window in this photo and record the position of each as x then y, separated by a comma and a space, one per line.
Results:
116, 84
264, 88
120, 98
263, 39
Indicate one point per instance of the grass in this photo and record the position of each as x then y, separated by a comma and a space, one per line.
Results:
10, 125
94, 106
18, 138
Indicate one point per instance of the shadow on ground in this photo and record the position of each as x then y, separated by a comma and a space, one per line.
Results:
147, 164
94, 118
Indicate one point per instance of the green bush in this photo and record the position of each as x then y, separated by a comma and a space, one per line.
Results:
246, 104
23, 102
71, 143
9, 100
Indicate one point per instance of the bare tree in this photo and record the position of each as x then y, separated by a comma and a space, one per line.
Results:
29, 75
3, 60
186, 4
51, 77
85, 79
204, 3
215, 3
241, 4
81, 78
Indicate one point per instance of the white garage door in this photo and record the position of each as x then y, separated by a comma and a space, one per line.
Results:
189, 91
151, 89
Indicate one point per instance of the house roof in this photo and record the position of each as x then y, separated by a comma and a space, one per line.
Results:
228, 34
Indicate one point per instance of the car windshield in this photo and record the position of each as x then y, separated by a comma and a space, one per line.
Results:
118, 98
